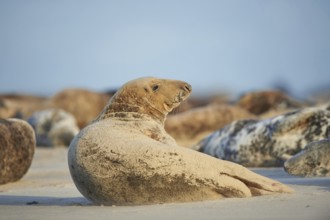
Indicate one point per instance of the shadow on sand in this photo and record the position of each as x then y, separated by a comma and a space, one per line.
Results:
43, 201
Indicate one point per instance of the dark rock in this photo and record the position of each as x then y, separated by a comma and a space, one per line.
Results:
17, 145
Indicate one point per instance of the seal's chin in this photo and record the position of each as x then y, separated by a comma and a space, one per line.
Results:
169, 106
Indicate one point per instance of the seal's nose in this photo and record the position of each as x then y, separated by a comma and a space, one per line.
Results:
187, 87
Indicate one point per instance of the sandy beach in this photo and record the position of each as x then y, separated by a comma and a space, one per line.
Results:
47, 192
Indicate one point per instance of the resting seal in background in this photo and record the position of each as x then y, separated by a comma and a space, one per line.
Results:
190, 127
313, 160
125, 156
268, 142
53, 127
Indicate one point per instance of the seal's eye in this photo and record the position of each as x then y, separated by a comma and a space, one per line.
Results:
155, 87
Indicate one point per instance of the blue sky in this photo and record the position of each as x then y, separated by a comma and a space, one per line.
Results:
215, 45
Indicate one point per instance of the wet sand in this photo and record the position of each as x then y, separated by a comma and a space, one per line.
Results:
47, 192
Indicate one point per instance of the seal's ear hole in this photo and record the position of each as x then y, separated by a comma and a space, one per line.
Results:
155, 87
146, 89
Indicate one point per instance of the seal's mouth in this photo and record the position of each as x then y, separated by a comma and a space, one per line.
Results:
183, 94
179, 98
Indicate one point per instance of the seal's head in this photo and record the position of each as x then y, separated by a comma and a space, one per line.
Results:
149, 96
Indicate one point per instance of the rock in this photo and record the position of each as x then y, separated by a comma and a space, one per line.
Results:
268, 142
83, 104
125, 156
313, 160
190, 127
19, 105
17, 144
6, 111
54, 127
263, 101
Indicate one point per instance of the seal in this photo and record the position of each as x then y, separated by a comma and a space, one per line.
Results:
19, 105
190, 127
268, 142
265, 102
83, 104
313, 160
53, 127
17, 145
125, 156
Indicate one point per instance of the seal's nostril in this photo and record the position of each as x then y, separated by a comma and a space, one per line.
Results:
188, 87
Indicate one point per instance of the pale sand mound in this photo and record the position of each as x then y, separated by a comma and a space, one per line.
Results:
125, 156
111, 169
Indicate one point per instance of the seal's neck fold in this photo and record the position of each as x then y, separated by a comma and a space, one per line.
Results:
125, 111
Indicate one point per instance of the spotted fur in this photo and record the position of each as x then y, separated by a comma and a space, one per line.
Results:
313, 160
268, 142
